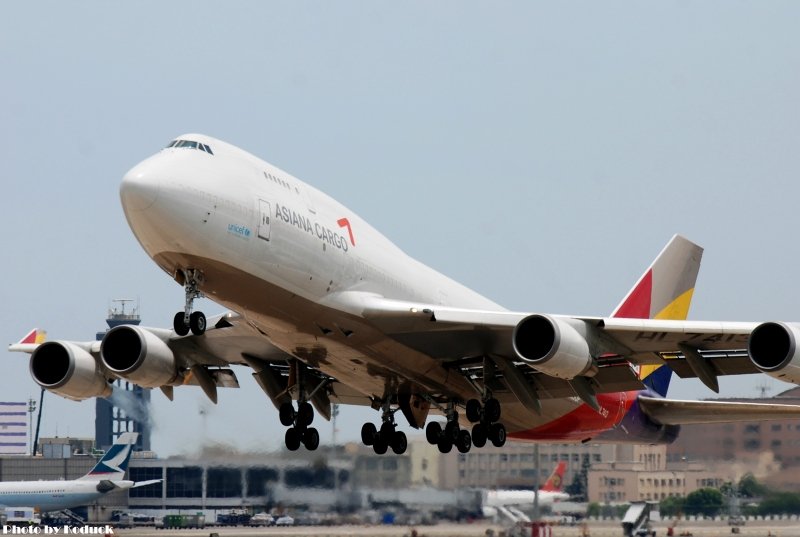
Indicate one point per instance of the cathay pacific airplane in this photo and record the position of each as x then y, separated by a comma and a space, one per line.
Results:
107, 475
324, 309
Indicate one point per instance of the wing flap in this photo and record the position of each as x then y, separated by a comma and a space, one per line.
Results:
678, 412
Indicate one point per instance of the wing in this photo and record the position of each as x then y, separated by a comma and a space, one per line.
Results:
79, 370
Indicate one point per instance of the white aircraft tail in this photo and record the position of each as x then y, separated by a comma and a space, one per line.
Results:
114, 463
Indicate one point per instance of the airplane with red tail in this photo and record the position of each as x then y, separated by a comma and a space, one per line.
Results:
323, 309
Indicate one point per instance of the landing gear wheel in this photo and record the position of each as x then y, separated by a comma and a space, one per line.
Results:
305, 414
197, 323
480, 434
464, 441
399, 442
368, 433
451, 431
379, 446
445, 445
286, 414
433, 432
311, 439
387, 432
179, 324
491, 410
292, 439
497, 434
473, 410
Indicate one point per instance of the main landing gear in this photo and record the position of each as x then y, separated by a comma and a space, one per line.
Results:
385, 437
486, 427
298, 422
187, 319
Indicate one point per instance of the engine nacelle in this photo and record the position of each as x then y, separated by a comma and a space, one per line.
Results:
68, 370
773, 349
138, 355
552, 346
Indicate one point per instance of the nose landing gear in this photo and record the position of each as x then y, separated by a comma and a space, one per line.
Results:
187, 320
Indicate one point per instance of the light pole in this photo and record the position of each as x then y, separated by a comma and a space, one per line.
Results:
31, 410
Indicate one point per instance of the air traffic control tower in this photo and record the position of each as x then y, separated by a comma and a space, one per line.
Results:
111, 419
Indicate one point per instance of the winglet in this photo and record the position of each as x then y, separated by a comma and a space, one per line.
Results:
664, 291
33, 339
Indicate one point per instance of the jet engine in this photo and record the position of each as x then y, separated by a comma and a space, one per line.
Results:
552, 346
68, 370
773, 349
138, 355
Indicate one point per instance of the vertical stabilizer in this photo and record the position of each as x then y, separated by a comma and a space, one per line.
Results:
664, 291
555, 482
114, 463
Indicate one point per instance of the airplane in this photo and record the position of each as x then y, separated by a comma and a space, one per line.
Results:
550, 492
56, 495
324, 309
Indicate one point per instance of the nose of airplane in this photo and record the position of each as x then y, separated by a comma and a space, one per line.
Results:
139, 188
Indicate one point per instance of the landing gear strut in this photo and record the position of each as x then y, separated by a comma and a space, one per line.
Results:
187, 319
385, 437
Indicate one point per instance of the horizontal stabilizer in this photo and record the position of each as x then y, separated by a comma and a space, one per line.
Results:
676, 412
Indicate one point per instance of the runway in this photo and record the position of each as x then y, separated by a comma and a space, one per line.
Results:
598, 529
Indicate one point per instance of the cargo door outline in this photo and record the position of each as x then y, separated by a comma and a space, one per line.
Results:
264, 220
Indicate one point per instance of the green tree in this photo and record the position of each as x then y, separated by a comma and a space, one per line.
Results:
707, 502
749, 487
780, 503
671, 506
578, 488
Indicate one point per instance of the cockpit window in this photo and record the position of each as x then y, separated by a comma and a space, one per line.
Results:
191, 145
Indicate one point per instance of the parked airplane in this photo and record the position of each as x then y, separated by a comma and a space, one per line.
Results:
325, 309
107, 475
551, 491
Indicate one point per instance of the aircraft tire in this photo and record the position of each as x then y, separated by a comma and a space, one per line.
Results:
379, 446
445, 445
473, 410
433, 432
368, 433
179, 325
305, 414
292, 439
464, 442
497, 434
451, 431
491, 410
399, 442
387, 432
197, 323
480, 433
286, 414
311, 439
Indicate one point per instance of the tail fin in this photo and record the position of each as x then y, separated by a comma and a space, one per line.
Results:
663, 292
33, 339
114, 463
555, 482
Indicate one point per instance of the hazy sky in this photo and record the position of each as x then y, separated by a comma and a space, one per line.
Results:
540, 153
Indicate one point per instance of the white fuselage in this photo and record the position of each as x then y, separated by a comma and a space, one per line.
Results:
52, 495
289, 258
